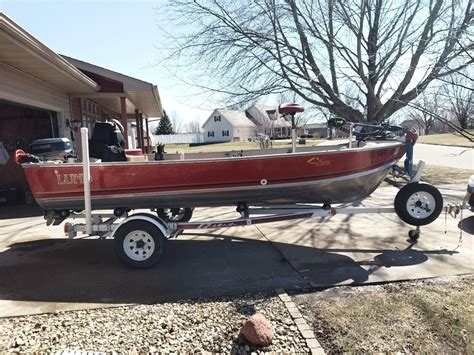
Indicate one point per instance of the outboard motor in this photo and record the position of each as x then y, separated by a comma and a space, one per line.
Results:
107, 142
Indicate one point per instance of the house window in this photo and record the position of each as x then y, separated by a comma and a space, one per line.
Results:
217, 118
210, 133
88, 122
225, 133
90, 109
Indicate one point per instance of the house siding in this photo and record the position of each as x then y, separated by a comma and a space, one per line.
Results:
217, 128
243, 133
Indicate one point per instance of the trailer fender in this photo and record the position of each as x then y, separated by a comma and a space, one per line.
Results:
147, 217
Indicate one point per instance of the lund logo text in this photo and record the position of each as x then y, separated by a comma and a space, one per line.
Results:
69, 179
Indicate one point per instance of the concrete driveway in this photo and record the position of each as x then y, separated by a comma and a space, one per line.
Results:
365, 248
40, 271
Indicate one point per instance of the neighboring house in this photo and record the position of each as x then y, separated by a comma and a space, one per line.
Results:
317, 130
267, 120
225, 125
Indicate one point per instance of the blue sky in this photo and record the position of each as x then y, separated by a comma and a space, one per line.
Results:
119, 35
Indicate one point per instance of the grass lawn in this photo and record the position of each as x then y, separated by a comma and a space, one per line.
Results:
430, 316
444, 175
447, 139
435, 175
185, 148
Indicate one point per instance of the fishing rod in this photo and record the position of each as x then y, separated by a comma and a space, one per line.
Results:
463, 132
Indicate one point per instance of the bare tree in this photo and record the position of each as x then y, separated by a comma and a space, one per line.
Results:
431, 103
460, 97
387, 52
176, 121
193, 127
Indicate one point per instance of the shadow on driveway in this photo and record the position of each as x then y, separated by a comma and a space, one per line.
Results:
20, 211
467, 225
86, 270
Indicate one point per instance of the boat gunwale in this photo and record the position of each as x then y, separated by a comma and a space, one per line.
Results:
381, 145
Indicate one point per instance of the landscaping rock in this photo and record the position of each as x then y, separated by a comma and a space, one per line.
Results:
258, 330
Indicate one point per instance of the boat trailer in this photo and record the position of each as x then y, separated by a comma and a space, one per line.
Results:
140, 238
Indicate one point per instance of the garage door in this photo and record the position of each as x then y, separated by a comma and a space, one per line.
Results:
19, 126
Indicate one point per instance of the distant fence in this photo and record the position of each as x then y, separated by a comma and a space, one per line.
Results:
181, 138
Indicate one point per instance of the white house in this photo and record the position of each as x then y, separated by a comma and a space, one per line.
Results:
225, 125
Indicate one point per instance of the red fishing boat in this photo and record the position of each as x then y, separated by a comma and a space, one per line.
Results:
330, 174
320, 174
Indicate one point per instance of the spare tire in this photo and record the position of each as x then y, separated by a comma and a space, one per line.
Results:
418, 204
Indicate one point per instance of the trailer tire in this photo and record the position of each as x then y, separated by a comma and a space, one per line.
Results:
418, 204
180, 214
139, 244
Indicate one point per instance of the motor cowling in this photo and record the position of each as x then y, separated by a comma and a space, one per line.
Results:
412, 136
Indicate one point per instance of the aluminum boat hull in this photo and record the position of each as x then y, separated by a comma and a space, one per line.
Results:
310, 177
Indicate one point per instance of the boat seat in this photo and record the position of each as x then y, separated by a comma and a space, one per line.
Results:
107, 133
107, 142
290, 108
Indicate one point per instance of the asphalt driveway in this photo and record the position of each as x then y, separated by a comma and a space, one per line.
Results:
41, 271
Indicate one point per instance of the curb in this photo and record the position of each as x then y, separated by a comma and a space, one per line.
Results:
306, 332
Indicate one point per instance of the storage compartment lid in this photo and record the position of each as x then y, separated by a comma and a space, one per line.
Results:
133, 152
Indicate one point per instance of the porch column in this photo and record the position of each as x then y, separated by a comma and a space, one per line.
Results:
148, 136
142, 141
137, 122
123, 119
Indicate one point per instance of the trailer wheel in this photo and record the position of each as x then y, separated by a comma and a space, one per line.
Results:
139, 244
180, 214
418, 204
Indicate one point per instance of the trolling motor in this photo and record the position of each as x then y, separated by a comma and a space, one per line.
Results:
383, 131
364, 131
